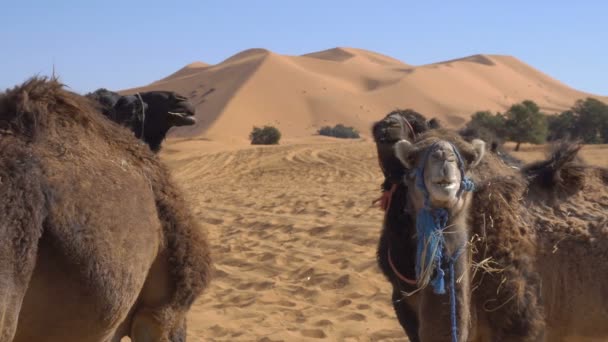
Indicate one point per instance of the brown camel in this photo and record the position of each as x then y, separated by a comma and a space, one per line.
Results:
396, 248
97, 241
526, 256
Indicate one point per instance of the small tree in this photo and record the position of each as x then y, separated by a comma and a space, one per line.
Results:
591, 118
485, 120
561, 126
525, 123
339, 131
268, 135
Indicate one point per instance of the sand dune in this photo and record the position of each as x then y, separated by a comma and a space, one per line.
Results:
293, 239
299, 94
184, 72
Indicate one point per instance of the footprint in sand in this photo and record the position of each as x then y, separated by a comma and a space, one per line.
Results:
355, 317
265, 285
313, 333
337, 284
324, 323
344, 303
286, 303
384, 335
319, 230
363, 307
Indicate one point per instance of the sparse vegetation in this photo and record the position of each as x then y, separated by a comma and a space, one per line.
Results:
587, 120
485, 120
524, 122
339, 131
487, 126
267, 135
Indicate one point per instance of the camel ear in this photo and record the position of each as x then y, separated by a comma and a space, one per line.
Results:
479, 146
433, 123
404, 151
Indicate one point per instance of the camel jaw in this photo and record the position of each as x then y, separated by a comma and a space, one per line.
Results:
182, 119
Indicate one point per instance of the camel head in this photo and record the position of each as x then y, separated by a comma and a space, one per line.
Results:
170, 107
439, 175
149, 115
395, 126
163, 110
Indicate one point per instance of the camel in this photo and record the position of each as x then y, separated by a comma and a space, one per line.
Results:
98, 242
517, 257
395, 256
150, 115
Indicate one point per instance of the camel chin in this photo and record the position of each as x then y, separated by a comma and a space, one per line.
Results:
444, 193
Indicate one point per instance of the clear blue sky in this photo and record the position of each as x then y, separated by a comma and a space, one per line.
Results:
121, 44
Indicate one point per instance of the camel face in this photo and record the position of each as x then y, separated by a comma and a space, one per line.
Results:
166, 110
442, 174
170, 109
439, 171
181, 111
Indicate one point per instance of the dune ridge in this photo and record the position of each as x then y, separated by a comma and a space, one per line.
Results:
300, 94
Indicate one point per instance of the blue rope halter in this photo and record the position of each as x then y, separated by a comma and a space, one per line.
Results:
431, 249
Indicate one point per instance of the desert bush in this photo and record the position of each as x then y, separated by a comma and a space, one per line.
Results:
339, 131
267, 135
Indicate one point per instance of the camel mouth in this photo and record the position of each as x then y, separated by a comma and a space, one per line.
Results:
183, 118
445, 184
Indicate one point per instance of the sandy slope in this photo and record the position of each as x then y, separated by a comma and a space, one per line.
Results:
299, 94
294, 241
293, 238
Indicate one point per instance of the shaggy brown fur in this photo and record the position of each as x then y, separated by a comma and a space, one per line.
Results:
538, 268
101, 238
508, 299
560, 176
22, 211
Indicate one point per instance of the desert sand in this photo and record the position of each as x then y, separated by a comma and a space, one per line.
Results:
294, 238
300, 94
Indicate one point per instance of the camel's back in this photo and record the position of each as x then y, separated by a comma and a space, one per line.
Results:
562, 242
572, 254
101, 232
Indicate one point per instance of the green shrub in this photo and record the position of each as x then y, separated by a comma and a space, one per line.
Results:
339, 131
268, 135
